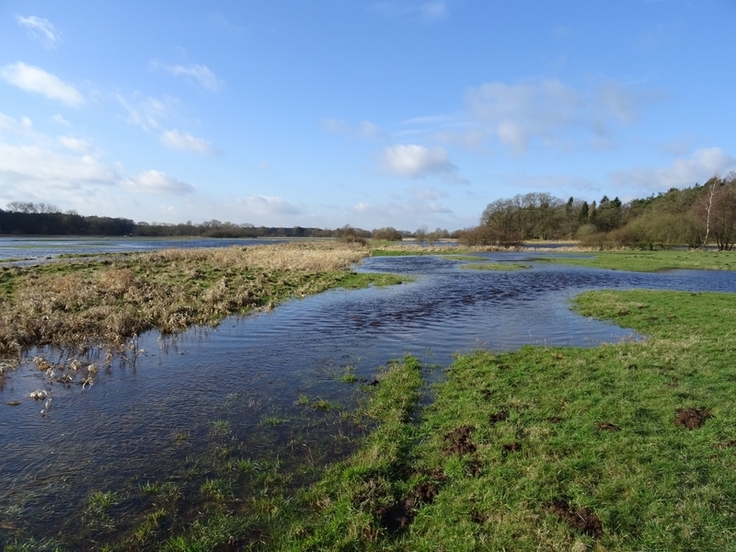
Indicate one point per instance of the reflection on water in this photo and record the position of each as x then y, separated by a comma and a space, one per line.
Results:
146, 420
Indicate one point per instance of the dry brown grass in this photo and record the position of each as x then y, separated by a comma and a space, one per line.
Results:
105, 302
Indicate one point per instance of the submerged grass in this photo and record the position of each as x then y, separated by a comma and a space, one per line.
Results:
107, 300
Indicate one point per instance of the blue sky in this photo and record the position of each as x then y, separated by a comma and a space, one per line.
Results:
401, 113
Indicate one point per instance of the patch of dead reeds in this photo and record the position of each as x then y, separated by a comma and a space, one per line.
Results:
106, 302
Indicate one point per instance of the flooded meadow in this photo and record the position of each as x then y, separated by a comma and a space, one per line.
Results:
268, 395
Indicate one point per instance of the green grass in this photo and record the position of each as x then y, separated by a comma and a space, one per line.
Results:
649, 261
510, 437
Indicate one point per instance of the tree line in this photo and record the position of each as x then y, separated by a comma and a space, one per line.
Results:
696, 216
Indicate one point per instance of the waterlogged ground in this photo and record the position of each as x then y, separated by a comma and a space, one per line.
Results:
32, 250
268, 389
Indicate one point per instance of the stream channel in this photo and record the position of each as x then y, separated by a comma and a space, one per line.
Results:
235, 389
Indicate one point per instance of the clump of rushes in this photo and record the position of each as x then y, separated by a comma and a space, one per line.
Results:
555, 448
109, 299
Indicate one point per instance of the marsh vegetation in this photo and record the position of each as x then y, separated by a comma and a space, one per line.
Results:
105, 301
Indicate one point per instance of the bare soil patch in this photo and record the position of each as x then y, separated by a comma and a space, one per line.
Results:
691, 418
580, 519
500, 416
460, 441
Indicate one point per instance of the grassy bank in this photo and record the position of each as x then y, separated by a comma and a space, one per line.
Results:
649, 261
106, 300
620, 447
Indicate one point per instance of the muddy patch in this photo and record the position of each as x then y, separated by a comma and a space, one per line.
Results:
581, 519
399, 515
500, 416
691, 418
459, 441
510, 447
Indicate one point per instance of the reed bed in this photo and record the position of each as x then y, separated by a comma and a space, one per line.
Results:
107, 300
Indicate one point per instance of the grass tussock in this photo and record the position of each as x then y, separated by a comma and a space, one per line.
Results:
110, 299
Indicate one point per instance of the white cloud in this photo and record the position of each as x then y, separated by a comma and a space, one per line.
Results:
61, 120
42, 29
148, 112
414, 161
34, 165
198, 73
553, 113
35, 79
364, 129
156, 182
699, 167
265, 205
186, 142
74, 144
8, 123
402, 214
429, 194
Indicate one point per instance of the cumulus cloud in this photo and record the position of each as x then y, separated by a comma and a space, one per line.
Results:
553, 113
364, 129
427, 11
41, 29
184, 141
35, 79
156, 182
699, 167
200, 74
32, 164
414, 161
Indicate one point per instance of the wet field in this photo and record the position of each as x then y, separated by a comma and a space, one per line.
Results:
154, 417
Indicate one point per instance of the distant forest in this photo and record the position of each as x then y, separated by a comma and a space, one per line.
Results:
23, 218
696, 216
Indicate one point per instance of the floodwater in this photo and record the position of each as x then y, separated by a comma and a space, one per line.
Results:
154, 417
33, 250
